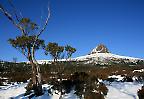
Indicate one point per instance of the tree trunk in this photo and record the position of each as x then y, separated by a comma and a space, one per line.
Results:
36, 77
38, 74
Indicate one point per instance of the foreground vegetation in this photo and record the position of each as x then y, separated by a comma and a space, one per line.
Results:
65, 76
21, 72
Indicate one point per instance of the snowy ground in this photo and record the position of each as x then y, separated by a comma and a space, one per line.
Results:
16, 90
117, 90
126, 90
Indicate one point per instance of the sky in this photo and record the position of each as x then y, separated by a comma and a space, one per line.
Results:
83, 24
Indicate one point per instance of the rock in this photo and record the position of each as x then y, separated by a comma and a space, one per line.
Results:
100, 49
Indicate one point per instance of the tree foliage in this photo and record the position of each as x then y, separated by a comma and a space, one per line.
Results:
25, 43
70, 50
28, 42
54, 50
28, 26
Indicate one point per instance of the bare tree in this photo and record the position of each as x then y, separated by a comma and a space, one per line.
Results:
28, 42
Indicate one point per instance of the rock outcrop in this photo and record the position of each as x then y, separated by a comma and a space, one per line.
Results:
100, 49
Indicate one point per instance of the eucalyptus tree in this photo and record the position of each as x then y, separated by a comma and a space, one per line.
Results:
54, 50
28, 42
70, 50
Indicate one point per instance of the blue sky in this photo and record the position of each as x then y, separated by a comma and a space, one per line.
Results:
119, 24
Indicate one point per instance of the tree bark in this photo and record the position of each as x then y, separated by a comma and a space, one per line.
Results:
36, 77
37, 74
37, 66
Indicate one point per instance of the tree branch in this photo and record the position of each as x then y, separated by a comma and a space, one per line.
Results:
14, 10
39, 33
46, 23
9, 16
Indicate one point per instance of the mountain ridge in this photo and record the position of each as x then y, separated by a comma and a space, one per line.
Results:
100, 55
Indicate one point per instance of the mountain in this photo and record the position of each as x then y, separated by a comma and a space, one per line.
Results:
101, 55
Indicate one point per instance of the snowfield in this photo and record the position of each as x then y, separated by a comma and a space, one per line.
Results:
117, 90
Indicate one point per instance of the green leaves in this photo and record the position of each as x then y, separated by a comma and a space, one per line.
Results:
33, 26
70, 50
27, 25
25, 21
54, 49
25, 42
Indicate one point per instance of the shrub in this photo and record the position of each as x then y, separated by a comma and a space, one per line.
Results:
84, 85
127, 79
102, 88
110, 80
63, 86
29, 87
141, 93
89, 86
1, 83
94, 95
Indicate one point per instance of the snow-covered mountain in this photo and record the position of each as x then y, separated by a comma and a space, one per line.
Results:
100, 55
105, 56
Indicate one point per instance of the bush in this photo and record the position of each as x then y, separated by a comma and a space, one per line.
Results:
37, 89
84, 85
29, 86
102, 88
110, 80
127, 79
89, 86
94, 95
141, 93
63, 86
1, 83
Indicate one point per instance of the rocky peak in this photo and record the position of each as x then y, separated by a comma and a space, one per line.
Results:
100, 49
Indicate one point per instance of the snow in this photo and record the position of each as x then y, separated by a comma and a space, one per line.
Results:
48, 61
141, 70
17, 92
126, 90
12, 91
94, 56
118, 77
117, 90
106, 55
